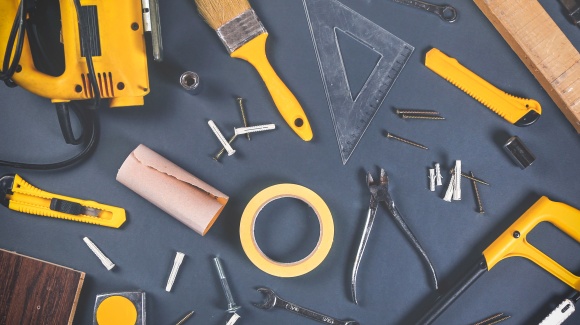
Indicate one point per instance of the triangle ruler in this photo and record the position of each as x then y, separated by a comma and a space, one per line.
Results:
352, 113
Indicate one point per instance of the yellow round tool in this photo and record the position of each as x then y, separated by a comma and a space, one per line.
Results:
248, 222
116, 310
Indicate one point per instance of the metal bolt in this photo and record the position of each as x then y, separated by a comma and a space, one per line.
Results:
241, 103
479, 205
219, 154
409, 142
517, 234
232, 307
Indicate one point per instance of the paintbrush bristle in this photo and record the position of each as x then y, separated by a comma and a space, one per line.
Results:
218, 12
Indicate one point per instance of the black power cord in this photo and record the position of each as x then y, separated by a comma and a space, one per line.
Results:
86, 116
18, 28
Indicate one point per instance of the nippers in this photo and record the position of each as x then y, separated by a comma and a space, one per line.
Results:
380, 193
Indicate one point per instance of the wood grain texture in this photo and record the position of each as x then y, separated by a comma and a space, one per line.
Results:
543, 47
34, 292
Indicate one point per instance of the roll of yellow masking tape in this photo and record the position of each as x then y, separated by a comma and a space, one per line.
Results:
248, 222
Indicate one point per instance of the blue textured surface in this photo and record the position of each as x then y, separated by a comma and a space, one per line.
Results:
393, 284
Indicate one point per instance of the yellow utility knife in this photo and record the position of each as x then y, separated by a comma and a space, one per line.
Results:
517, 111
18, 195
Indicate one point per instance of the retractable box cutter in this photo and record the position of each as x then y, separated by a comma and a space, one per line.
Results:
513, 243
517, 111
18, 195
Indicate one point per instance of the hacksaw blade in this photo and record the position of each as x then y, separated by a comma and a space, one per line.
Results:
352, 116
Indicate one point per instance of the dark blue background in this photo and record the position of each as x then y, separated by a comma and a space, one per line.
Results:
393, 284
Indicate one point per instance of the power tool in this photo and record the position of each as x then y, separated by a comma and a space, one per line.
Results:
78, 51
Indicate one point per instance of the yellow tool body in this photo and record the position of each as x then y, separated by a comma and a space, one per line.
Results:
518, 111
254, 52
116, 44
21, 196
513, 241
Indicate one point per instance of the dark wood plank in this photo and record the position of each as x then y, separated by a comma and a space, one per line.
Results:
36, 292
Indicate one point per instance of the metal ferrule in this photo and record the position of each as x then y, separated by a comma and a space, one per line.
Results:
240, 30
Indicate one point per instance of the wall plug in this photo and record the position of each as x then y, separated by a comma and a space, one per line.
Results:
176, 264
438, 174
221, 138
449, 193
233, 319
104, 259
432, 179
256, 128
457, 180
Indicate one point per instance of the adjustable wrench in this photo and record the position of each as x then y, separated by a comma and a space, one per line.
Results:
445, 12
272, 300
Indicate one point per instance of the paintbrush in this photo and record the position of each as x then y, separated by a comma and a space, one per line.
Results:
244, 36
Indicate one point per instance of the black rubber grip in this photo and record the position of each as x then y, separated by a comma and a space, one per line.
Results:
66, 207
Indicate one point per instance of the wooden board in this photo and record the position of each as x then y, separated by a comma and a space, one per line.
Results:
542, 46
34, 292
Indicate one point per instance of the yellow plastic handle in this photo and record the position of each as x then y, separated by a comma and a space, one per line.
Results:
31, 200
509, 107
513, 242
254, 52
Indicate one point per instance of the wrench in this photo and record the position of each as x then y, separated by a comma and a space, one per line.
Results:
445, 12
272, 300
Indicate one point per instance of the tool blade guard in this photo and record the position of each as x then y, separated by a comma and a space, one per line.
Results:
115, 42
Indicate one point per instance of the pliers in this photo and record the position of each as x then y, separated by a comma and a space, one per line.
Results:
380, 193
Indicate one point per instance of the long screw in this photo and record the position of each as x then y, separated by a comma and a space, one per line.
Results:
471, 178
479, 205
185, 318
241, 103
415, 112
422, 117
219, 154
497, 318
409, 142
232, 307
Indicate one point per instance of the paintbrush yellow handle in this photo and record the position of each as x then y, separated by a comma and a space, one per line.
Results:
254, 52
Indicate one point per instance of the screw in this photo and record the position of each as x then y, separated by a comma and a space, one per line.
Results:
232, 307
415, 112
219, 154
479, 205
241, 103
517, 234
421, 117
185, 318
409, 142
471, 178
497, 318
